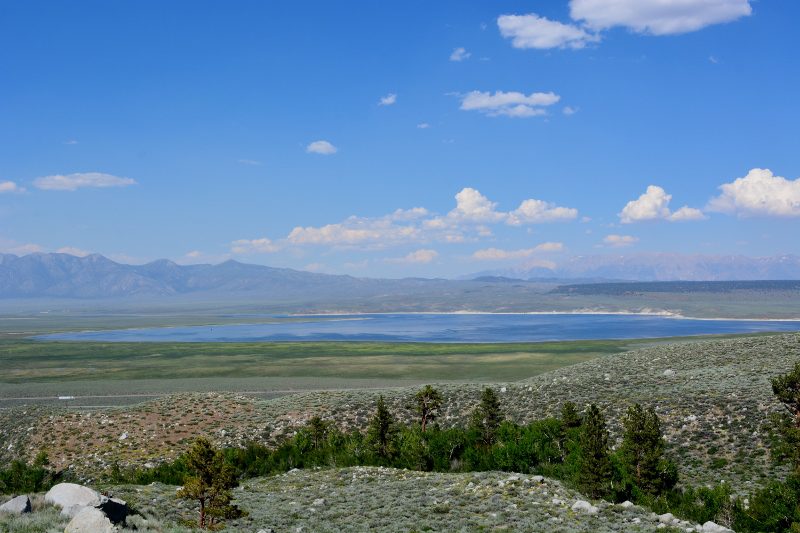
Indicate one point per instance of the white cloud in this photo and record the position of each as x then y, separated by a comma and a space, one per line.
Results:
759, 193
533, 211
497, 254
686, 213
422, 256
71, 142
194, 254
20, 249
468, 221
10, 187
657, 17
471, 205
251, 162
459, 54
254, 246
619, 241
423, 125
389, 99
73, 182
71, 250
654, 205
321, 147
510, 104
569, 110
533, 31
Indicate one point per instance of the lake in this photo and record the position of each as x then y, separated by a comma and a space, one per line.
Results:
439, 328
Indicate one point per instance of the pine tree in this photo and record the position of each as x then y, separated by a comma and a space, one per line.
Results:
642, 451
594, 475
318, 431
787, 390
381, 431
428, 403
210, 485
569, 415
487, 417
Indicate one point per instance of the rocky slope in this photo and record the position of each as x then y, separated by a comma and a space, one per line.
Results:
714, 399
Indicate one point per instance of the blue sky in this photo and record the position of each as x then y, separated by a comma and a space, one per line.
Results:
505, 133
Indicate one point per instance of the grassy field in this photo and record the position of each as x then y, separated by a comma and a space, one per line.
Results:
105, 374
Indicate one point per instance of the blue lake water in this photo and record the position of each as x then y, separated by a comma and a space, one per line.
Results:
439, 328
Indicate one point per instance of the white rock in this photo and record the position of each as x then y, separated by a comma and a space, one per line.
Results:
585, 507
669, 372
90, 520
711, 527
123, 436
626, 504
538, 479
666, 518
318, 502
72, 497
18, 505
502, 389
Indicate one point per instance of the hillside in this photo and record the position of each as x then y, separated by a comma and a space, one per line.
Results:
713, 397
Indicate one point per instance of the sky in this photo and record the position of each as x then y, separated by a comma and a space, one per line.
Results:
399, 139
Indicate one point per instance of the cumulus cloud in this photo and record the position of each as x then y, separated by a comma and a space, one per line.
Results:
534, 211
73, 182
509, 104
759, 193
459, 54
654, 205
423, 125
321, 147
71, 250
254, 246
657, 17
7, 187
389, 99
569, 110
422, 256
468, 221
533, 31
473, 206
591, 17
498, 254
378, 232
620, 241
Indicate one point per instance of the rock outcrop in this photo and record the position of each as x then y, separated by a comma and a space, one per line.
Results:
90, 520
18, 505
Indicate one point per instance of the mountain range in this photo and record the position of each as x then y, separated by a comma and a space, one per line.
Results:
659, 267
56, 275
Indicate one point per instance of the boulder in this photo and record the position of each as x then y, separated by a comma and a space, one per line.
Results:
711, 527
585, 507
72, 497
90, 520
18, 505
115, 509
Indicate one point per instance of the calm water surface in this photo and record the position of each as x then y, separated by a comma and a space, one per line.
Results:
439, 328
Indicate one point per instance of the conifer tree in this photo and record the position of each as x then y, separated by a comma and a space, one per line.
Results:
428, 403
381, 431
642, 451
487, 417
318, 431
210, 485
569, 415
594, 475
787, 389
